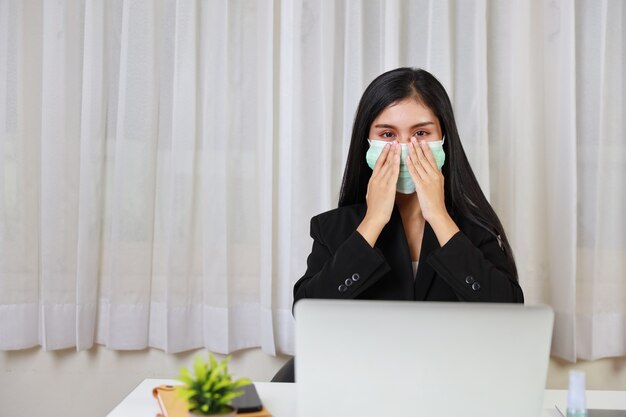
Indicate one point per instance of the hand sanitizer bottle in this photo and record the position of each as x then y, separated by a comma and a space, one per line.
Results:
576, 399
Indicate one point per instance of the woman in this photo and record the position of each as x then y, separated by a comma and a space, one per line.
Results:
412, 221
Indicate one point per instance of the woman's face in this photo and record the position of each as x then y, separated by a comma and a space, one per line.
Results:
405, 119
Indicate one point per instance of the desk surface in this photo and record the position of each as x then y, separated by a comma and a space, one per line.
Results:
280, 399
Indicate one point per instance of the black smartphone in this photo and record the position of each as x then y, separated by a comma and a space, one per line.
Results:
249, 401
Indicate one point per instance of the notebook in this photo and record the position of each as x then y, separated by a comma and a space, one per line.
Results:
387, 358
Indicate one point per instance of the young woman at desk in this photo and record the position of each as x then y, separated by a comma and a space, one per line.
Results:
412, 221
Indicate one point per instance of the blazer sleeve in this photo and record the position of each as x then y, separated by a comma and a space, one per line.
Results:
343, 272
477, 272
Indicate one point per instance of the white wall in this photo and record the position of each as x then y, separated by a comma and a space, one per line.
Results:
91, 383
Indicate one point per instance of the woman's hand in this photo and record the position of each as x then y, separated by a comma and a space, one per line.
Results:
429, 186
381, 192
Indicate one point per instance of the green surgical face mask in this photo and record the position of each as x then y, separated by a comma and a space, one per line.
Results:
405, 183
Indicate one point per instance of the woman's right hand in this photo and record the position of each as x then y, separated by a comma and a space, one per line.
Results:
381, 192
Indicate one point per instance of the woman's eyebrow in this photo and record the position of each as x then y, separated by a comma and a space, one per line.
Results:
422, 124
386, 126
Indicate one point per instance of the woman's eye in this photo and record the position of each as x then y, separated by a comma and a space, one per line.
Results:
387, 135
421, 133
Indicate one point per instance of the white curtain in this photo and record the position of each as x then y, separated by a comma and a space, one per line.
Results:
160, 160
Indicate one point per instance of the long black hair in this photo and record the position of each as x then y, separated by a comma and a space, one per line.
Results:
462, 193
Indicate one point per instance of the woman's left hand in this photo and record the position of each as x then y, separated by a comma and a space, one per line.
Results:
430, 192
428, 181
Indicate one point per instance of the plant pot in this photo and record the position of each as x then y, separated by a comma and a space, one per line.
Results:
231, 413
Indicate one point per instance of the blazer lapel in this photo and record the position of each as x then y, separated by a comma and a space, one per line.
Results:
425, 273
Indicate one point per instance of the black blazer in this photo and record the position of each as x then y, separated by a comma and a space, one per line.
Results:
471, 266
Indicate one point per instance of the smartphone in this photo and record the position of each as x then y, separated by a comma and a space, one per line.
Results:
249, 401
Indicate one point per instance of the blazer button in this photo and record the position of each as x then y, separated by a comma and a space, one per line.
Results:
342, 288
349, 282
476, 286
356, 277
469, 280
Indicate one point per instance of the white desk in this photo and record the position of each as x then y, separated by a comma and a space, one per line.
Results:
280, 399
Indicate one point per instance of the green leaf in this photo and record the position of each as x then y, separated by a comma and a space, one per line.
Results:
185, 377
223, 384
186, 394
200, 368
226, 399
212, 361
214, 376
242, 383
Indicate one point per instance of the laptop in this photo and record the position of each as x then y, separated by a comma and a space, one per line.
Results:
400, 358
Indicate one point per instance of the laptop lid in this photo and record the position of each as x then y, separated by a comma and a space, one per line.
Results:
386, 358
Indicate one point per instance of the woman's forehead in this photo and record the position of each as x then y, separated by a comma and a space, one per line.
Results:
408, 111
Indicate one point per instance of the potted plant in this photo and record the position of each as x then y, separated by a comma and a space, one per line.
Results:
210, 390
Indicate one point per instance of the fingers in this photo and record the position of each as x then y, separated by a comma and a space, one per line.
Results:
413, 163
428, 154
387, 166
395, 165
382, 158
391, 168
420, 161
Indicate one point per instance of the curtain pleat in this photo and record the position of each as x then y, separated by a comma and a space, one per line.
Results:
91, 173
59, 172
601, 290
